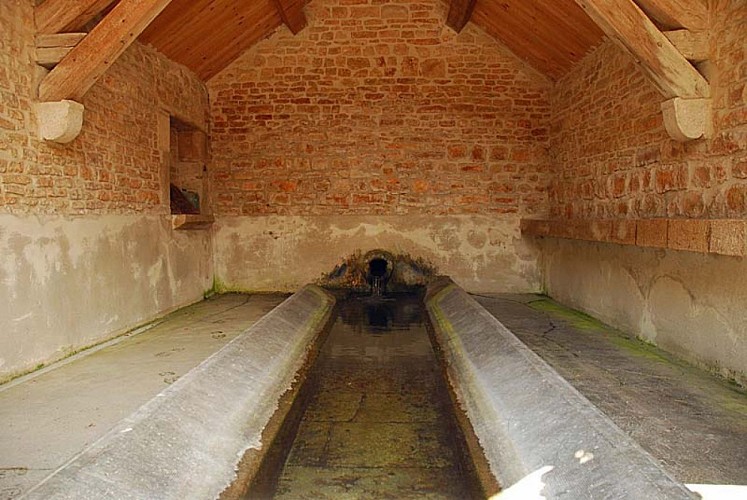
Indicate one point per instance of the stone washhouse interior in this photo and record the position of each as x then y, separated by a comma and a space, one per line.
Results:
373, 249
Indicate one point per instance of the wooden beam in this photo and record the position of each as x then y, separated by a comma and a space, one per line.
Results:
625, 23
59, 40
691, 44
460, 12
55, 16
677, 14
291, 12
51, 49
90, 59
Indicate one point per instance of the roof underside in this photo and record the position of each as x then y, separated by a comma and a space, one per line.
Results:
207, 35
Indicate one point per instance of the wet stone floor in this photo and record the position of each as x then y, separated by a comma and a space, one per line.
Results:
379, 422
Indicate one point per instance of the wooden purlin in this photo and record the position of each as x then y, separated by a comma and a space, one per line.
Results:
460, 12
56, 16
677, 14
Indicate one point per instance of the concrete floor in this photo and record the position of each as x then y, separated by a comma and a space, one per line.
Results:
49, 417
694, 423
379, 423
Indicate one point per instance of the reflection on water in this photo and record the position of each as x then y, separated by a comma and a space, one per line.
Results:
379, 423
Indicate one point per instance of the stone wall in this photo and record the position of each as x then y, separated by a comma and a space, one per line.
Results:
612, 159
373, 113
86, 246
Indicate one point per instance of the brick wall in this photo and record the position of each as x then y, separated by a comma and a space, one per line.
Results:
114, 166
612, 157
379, 109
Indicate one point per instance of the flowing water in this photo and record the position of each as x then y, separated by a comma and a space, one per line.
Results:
379, 423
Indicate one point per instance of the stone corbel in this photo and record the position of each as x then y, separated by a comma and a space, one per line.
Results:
59, 121
687, 119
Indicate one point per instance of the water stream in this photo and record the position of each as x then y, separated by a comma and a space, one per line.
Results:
379, 423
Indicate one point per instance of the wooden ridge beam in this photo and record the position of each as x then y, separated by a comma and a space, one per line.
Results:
677, 14
87, 61
291, 12
460, 12
55, 16
625, 23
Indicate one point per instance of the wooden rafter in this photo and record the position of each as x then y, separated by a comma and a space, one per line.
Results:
84, 65
56, 16
460, 12
625, 23
677, 14
291, 12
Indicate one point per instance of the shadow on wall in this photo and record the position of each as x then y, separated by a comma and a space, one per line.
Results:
360, 272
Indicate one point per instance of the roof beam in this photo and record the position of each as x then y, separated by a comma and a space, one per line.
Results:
629, 27
460, 12
87, 61
677, 14
291, 12
57, 16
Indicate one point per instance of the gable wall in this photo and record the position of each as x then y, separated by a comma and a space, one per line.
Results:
374, 113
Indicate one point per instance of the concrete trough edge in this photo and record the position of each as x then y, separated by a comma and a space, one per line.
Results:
188, 440
526, 416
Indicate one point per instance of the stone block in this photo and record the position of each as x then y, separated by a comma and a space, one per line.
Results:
651, 233
728, 237
688, 234
623, 232
59, 121
601, 230
535, 227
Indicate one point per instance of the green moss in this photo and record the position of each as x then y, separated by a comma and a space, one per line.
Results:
578, 319
732, 400
586, 323
217, 288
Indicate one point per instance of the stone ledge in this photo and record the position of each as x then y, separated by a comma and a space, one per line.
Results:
191, 221
715, 236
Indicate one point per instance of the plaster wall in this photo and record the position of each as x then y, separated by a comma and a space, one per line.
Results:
69, 282
690, 304
481, 253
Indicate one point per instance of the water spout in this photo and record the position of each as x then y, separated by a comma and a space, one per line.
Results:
378, 270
